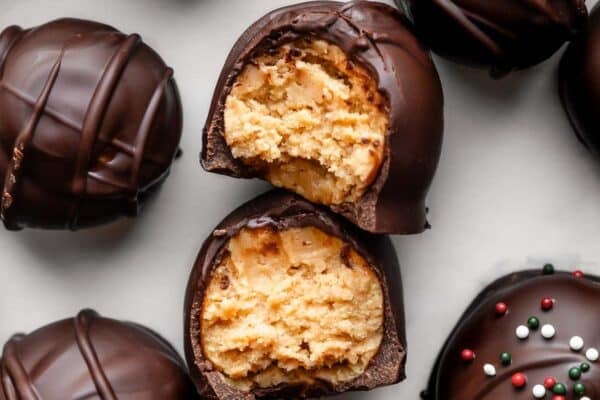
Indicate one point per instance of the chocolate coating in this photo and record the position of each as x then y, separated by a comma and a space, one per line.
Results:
282, 210
500, 35
580, 86
91, 357
375, 36
574, 313
90, 121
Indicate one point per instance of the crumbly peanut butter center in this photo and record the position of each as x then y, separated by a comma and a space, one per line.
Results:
312, 120
291, 306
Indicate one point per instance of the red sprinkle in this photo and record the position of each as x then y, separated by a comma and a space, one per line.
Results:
501, 309
578, 274
519, 380
467, 355
558, 397
547, 303
549, 382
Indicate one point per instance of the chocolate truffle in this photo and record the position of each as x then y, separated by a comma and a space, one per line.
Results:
580, 85
91, 357
337, 102
90, 120
531, 334
286, 300
499, 35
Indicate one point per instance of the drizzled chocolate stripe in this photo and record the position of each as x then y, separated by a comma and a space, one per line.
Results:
81, 324
93, 119
15, 381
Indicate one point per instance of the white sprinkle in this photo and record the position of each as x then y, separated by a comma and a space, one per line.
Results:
539, 391
585, 398
489, 370
592, 354
548, 331
576, 343
522, 332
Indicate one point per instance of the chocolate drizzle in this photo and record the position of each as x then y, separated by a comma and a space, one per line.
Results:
125, 145
379, 39
74, 358
499, 36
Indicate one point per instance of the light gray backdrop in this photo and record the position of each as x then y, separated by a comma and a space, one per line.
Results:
514, 189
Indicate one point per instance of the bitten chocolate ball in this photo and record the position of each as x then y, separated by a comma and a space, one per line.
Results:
286, 300
91, 357
532, 351
337, 102
580, 85
499, 35
90, 120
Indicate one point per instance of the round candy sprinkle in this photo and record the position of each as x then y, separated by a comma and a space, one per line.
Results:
576, 343
548, 331
522, 332
585, 398
585, 367
592, 354
501, 309
539, 391
574, 373
533, 323
578, 274
505, 358
558, 397
547, 303
549, 382
467, 355
489, 370
519, 380
579, 388
548, 269
559, 388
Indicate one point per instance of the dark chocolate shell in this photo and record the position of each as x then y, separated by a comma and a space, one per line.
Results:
376, 37
90, 121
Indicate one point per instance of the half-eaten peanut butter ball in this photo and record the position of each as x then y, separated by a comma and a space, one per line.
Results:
287, 300
338, 103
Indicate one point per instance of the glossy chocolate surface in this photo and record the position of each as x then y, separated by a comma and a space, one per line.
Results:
90, 121
574, 312
375, 36
499, 35
580, 84
280, 210
91, 357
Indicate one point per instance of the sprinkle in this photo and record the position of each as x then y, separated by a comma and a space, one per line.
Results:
559, 388
522, 332
592, 354
519, 380
505, 358
501, 309
558, 397
578, 274
547, 303
549, 382
539, 391
585, 398
489, 370
467, 355
533, 323
548, 331
575, 373
576, 343
548, 269
585, 367
579, 388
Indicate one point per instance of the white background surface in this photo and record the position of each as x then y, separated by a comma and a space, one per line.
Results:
514, 189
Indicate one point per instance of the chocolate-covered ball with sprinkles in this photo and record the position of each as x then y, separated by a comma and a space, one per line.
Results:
544, 347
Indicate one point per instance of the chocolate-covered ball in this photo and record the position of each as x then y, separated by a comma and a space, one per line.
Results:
543, 344
91, 357
499, 35
337, 102
580, 84
90, 121
287, 300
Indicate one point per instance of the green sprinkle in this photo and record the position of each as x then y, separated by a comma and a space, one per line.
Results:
533, 323
505, 358
559, 388
548, 269
575, 373
585, 367
579, 389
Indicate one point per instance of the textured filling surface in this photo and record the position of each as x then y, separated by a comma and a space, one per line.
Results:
291, 306
310, 119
